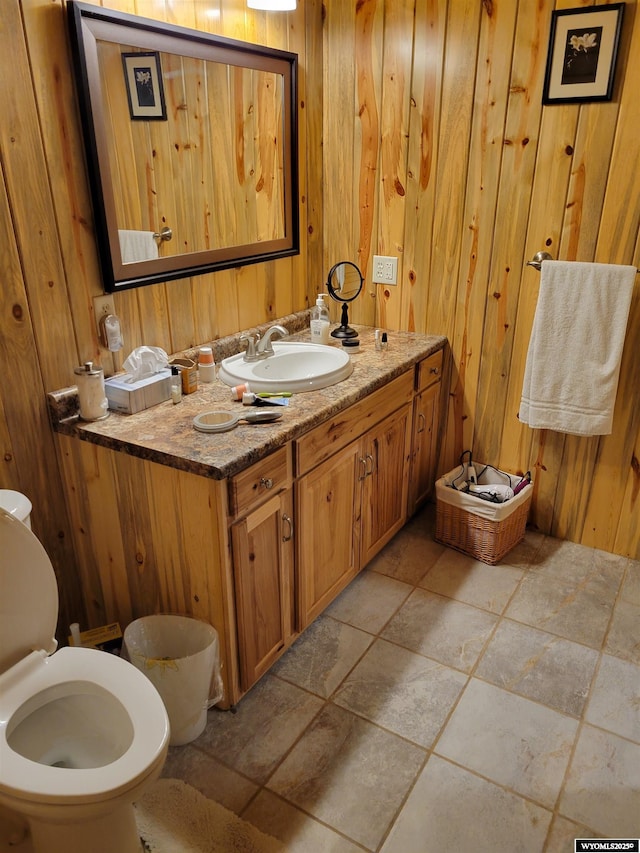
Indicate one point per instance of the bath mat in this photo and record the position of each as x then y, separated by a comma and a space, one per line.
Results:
173, 817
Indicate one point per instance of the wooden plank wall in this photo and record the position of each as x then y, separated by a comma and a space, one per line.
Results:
422, 135
48, 261
218, 133
433, 118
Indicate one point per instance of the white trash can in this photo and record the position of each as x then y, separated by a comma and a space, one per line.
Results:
181, 657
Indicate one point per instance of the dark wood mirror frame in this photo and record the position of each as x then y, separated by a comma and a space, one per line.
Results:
90, 25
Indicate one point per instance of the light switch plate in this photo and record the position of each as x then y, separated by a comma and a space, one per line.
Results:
385, 269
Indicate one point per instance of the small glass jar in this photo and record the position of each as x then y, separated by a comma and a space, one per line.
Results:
91, 392
176, 385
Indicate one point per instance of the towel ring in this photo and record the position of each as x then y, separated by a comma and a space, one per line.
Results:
539, 257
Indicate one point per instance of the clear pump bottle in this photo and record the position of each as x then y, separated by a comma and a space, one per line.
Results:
176, 385
320, 321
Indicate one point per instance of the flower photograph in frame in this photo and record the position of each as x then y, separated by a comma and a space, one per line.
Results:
143, 82
583, 47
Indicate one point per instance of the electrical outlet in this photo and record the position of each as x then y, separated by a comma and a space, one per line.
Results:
385, 270
102, 306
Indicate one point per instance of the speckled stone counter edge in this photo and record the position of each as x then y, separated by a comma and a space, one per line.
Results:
165, 433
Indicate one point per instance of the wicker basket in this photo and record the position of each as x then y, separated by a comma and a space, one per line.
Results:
480, 529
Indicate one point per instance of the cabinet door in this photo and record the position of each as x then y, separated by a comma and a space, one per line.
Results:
328, 510
263, 567
423, 461
387, 450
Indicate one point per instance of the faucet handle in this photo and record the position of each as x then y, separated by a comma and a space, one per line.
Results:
265, 348
252, 339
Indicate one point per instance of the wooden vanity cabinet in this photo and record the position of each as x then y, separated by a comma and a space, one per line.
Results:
386, 483
353, 502
328, 510
426, 418
262, 543
262, 554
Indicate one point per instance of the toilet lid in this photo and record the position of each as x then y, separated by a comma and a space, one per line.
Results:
16, 503
29, 597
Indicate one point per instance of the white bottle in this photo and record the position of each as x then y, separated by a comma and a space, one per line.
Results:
320, 322
206, 366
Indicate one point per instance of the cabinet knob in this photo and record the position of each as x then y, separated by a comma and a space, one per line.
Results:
422, 422
266, 482
435, 370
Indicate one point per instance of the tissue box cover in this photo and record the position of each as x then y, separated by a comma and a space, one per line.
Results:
130, 397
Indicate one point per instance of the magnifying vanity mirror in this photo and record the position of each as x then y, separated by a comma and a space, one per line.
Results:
344, 284
191, 144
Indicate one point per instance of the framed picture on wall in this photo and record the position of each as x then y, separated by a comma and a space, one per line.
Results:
583, 47
143, 82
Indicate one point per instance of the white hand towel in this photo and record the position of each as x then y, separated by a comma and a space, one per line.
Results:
137, 246
573, 362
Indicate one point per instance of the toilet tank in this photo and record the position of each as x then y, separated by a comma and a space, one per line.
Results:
17, 504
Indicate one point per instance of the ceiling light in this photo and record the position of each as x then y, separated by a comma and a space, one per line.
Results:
273, 5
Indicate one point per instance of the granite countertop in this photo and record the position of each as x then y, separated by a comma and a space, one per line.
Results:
165, 433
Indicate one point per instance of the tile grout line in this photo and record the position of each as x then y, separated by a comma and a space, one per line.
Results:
583, 717
500, 619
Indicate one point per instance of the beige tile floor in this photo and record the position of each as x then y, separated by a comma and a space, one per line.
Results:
441, 704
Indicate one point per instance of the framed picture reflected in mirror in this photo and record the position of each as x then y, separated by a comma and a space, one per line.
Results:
143, 81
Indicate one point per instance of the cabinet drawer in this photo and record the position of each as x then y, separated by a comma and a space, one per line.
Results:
255, 484
323, 441
429, 370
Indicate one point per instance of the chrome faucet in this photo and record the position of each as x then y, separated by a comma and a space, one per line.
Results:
265, 349
252, 339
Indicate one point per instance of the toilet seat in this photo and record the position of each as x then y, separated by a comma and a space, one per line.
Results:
29, 780
31, 679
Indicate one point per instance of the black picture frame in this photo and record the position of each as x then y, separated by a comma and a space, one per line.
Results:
89, 25
143, 82
583, 48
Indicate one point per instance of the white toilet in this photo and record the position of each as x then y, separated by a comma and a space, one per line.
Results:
82, 732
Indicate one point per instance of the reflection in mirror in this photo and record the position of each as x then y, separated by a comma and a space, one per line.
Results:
344, 284
191, 143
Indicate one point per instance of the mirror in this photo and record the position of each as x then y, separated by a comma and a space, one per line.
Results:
191, 146
344, 284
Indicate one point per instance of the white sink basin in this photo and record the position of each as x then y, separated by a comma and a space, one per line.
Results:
294, 366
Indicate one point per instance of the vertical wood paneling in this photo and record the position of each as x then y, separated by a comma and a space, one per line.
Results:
368, 62
158, 545
36, 330
492, 177
311, 149
338, 131
89, 482
489, 177
394, 122
552, 174
483, 178
424, 128
459, 72
512, 213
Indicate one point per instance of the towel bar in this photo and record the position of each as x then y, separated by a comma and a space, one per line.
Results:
539, 257
537, 260
166, 234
